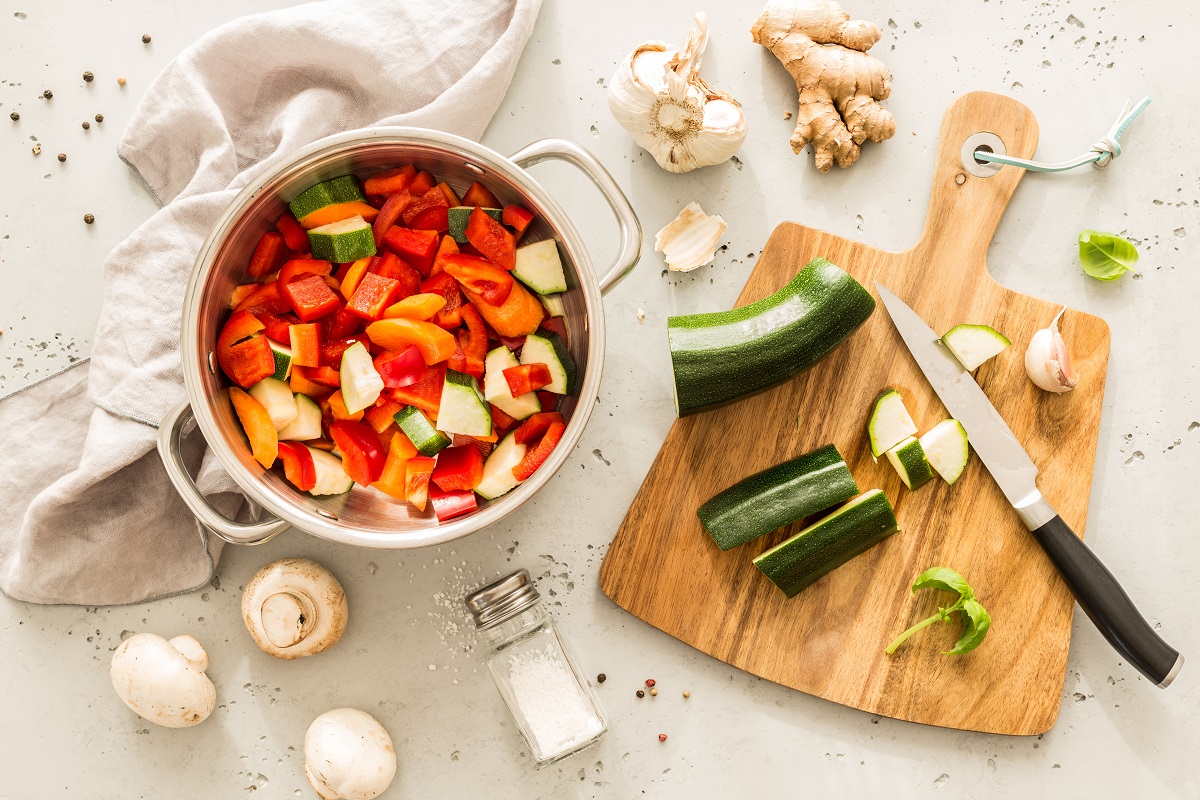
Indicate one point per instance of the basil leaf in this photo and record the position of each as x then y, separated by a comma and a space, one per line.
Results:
977, 623
1106, 256
945, 579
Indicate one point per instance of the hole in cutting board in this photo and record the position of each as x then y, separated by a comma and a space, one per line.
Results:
983, 148
985, 142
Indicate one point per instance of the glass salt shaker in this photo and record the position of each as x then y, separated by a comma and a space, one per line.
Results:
552, 703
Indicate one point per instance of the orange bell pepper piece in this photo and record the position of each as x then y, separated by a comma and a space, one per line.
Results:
446, 247
264, 441
353, 276
417, 473
337, 407
393, 482
339, 212
436, 345
301, 384
519, 315
417, 306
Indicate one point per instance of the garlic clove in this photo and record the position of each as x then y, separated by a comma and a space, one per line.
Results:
690, 240
1046, 359
657, 95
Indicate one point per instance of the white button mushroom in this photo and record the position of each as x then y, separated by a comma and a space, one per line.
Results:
164, 681
348, 755
294, 607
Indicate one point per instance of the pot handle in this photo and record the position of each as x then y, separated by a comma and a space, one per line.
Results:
169, 433
585, 162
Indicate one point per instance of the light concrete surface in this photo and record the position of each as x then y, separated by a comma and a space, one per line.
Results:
407, 658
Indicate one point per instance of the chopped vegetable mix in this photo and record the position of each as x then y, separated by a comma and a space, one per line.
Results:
364, 329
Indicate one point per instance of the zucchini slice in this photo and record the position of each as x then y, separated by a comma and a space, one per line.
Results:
553, 303
945, 446
306, 425
277, 398
547, 347
911, 464
420, 431
361, 383
463, 409
331, 475
828, 543
720, 358
540, 268
974, 344
496, 390
343, 241
778, 496
283, 360
327, 193
890, 423
498, 477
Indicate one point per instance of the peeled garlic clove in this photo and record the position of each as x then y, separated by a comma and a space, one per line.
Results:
657, 95
690, 240
1047, 361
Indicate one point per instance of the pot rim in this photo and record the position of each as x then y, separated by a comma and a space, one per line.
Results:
320, 522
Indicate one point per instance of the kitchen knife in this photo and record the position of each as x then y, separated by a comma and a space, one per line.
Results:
1097, 591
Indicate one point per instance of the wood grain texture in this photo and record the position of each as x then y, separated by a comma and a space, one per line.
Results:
829, 640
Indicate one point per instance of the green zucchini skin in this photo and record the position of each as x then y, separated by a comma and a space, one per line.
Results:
777, 496
828, 543
722, 357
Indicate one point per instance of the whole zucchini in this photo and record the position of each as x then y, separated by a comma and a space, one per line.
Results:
722, 357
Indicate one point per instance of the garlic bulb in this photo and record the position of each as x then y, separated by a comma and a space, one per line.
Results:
657, 95
1047, 361
690, 240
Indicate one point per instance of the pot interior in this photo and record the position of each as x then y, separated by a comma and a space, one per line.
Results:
366, 516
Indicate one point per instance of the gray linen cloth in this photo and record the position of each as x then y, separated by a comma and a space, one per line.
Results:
89, 514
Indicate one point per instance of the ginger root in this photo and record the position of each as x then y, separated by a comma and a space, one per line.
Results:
840, 84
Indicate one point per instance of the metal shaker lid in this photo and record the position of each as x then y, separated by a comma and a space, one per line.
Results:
502, 599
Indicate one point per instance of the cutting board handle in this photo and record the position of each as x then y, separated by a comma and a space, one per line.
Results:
964, 209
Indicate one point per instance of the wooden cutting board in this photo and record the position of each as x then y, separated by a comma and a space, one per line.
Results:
829, 640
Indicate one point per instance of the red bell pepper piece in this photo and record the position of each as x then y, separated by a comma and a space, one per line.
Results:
450, 317
305, 341
502, 423
324, 375
422, 182
243, 350
300, 383
390, 214
278, 328
492, 239
432, 198
373, 295
556, 325
390, 181
268, 254
416, 247
332, 349
298, 465
458, 468
516, 217
294, 234
480, 276
268, 298
340, 324
389, 265
537, 455
383, 414
299, 267
549, 400
511, 342
433, 219
240, 293
448, 505
478, 195
310, 297
472, 345
400, 367
363, 456
484, 446
425, 394
416, 480
526, 378
536, 425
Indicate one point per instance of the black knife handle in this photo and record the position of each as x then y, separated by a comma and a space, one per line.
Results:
1107, 604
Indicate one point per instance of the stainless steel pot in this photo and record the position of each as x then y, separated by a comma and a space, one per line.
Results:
366, 517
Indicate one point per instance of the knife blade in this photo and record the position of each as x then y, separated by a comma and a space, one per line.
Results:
1094, 587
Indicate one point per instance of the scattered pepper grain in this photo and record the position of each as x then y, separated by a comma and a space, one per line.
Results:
62, 156
47, 94
99, 118
640, 694
121, 81
649, 682
89, 219
37, 149
14, 116
686, 694
662, 737
654, 692
86, 124
601, 678
145, 38
89, 77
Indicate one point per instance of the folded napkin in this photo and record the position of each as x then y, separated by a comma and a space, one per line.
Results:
90, 516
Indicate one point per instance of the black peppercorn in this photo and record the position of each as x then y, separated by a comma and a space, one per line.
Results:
86, 124
99, 118
145, 38
87, 76
47, 94
640, 693
89, 219
601, 678
62, 156
14, 116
